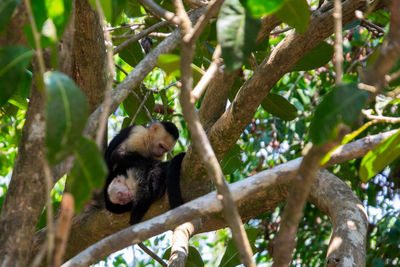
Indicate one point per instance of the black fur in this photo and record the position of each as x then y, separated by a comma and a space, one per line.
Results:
151, 186
171, 129
114, 158
157, 177
173, 181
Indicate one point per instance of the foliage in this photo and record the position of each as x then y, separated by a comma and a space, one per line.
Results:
304, 106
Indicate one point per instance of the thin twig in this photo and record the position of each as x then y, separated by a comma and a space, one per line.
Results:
121, 69
139, 36
107, 94
201, 142
186, 24
369, 116
207, 77
63, 227
140, 107
144, 107
132, 26
337, 15
39, 256
152, 34
159, 34
152, 254
36, 36
372, 25
281, 31
49, 211
167, 15
211, 10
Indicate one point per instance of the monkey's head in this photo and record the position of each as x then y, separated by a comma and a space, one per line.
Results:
163, 137
118, 191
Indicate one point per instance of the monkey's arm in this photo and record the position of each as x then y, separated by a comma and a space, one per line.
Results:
112, 155
140, 205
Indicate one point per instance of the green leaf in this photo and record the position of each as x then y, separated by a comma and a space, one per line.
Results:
107, 7
88, 172
278, 106
170, 63
194, 258
231, 161
231, 256
237, 33
24, 86
380, 157
317, 57
295, 13
130, 7
342, 105
66, 115
6, 10
13, 61
132, 54
376, 262
117, 7
59, 12
39, 11
259, 8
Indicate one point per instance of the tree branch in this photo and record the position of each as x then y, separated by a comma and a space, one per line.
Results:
63, 228
152, 254
161, 12
388, 53
180, 242
139, 36
208, 76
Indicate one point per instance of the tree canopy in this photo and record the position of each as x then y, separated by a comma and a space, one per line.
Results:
287, 110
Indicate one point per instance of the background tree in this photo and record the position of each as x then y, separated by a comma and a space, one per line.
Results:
257, 81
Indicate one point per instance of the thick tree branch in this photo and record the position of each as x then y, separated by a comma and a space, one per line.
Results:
180, 242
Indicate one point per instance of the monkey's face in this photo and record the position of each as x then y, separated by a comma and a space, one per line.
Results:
161, 141
118, 191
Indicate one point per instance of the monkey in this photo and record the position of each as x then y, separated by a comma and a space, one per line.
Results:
150, 142
137, 177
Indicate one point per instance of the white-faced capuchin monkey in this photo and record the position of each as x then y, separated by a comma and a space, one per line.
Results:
137, 176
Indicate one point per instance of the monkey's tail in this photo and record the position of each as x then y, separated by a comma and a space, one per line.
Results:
173, 181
